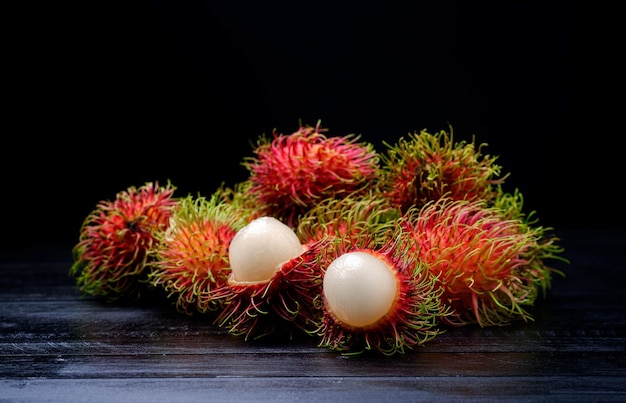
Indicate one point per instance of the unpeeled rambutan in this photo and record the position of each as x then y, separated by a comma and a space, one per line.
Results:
111, 256
357, 217
238, 196
425, 167
292, 173
273, 283
191, 258
491, 265
380, 299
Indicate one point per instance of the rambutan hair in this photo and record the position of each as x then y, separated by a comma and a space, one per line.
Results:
111, 256
424, 167
490, 265
292, 173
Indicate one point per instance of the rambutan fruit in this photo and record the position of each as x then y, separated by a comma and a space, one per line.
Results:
111, 256
238, 196
490, 265
191, 258
366, 216
425, 167
292, 173
383, 299
273, 283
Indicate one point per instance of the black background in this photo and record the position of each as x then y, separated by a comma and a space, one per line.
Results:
103, 96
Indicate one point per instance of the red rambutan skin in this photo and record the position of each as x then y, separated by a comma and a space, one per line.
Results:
426, 167
413, 319
191, 258
111, 256
490, 267
281, 305
292, 173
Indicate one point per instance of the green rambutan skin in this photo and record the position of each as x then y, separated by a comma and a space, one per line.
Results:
111, 258
354, 217
191, 256
424, 167
241, 199
414, 318
292, 173
491, 266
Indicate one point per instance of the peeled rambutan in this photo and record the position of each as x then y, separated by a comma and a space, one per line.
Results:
111, 256
292, 173
381, 299
490, 264
425, 167
273, 283
191, 258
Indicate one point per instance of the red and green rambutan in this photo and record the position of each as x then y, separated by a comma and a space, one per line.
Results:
357, 217
292, 173
490, 263
191, 258
273, 283
424, 167
111, 258
382, 300
238, 196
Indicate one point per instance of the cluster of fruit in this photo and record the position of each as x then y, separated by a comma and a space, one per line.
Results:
364, 250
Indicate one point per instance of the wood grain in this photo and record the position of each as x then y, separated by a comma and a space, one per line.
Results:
58, 346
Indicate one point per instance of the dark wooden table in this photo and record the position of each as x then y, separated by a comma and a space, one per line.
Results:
56, 346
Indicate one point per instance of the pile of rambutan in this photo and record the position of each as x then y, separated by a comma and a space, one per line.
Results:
329, 238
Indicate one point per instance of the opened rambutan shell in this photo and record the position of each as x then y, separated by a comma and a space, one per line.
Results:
111, 257
412, 314
283, 301
292, 173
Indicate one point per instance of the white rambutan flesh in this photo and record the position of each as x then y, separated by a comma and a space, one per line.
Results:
257, 251
360, 289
